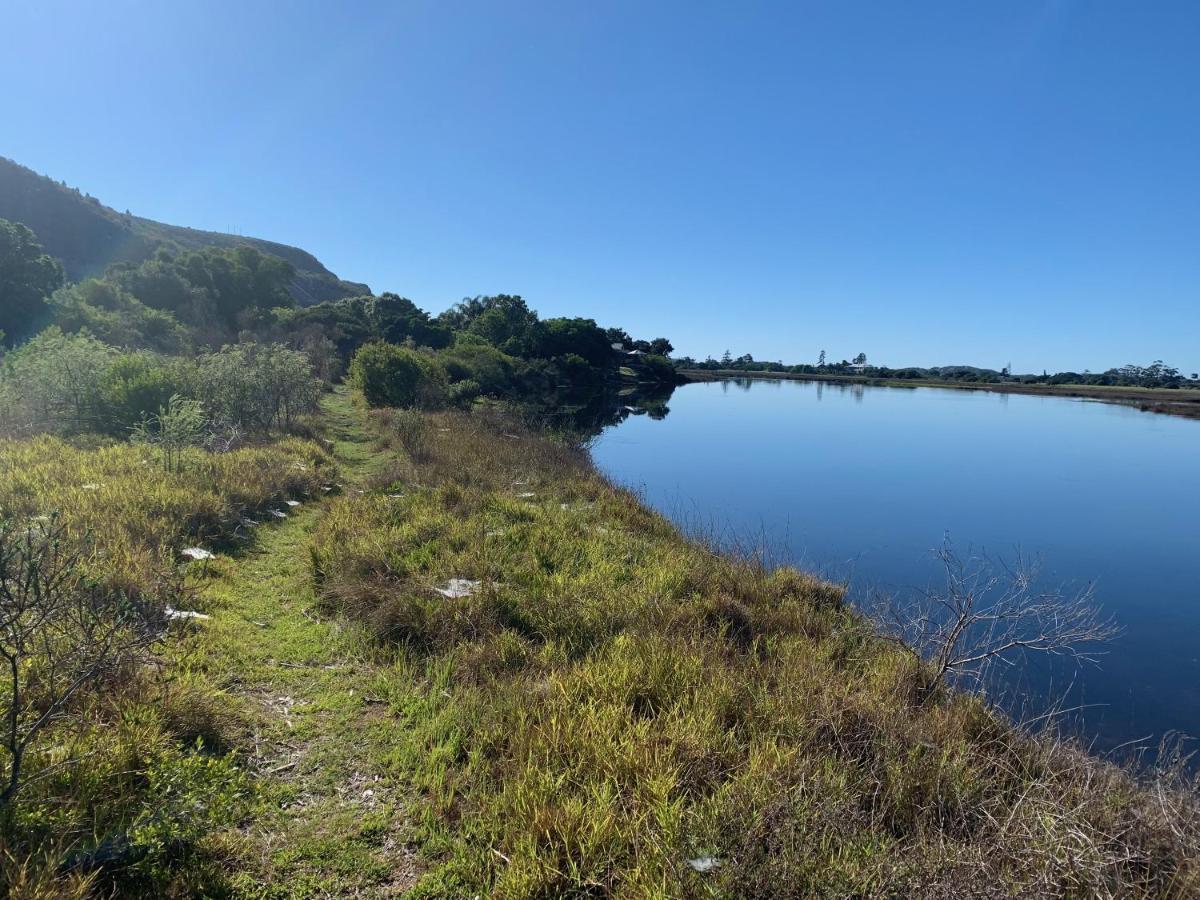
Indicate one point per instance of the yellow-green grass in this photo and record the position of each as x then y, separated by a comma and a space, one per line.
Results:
142, 767
134, 515
614, 707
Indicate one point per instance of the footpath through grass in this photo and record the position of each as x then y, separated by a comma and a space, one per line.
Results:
483, 670
304, 690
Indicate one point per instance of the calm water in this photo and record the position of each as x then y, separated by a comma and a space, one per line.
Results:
860, 483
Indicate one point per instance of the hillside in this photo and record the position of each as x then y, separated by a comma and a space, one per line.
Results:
89, 236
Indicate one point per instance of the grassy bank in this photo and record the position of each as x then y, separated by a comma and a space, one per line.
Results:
609, 709
601, 708
124, 782
1182, 402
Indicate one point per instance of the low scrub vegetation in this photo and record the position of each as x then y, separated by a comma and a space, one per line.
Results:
595, 706
76, 384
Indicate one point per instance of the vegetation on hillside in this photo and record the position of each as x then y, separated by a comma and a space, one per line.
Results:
88, 237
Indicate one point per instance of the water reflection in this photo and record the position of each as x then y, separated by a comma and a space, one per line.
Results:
863, 490
586, 413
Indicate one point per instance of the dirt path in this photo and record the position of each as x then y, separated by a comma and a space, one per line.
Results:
327, 821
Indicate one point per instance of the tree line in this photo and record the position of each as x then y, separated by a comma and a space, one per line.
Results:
1155, 375
218, 325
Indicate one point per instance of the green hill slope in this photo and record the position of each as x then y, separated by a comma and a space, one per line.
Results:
89, 236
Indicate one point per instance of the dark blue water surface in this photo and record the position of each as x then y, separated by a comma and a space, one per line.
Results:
860, 483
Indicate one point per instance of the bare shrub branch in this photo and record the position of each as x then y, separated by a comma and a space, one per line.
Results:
989, 611
59, 633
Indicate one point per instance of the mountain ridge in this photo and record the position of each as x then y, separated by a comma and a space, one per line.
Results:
88, 236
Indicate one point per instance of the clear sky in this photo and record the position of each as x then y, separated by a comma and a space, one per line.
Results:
929, 183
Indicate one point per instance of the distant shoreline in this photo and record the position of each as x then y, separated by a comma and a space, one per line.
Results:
1183, 402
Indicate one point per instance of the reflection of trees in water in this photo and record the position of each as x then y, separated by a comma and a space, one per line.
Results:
587, 413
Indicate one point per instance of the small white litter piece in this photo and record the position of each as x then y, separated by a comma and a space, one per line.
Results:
395, 496
520, 483
91, 486
495, 532
292, 503
185, 615
248, 523
527, 495
327, 488
300, 466
704, 864
458, 587
197, 553
279, 514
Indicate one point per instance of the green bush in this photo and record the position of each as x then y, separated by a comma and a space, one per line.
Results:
136, 385
389, 375
473, 359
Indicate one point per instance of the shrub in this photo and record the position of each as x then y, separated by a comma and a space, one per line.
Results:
135, 385
177, 427
389, 375
55, 382
255, 387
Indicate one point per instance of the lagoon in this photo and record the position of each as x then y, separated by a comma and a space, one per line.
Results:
859, 483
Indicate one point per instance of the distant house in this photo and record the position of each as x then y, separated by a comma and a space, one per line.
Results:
858, 368
636, 353
618, 346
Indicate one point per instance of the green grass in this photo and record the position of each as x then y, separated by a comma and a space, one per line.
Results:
614, 701
611, 702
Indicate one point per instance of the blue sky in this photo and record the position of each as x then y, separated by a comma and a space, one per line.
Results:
929, 183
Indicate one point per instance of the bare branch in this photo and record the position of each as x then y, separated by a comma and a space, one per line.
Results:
989, 611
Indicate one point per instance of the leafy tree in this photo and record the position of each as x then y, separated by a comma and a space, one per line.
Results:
618, 336
238, 281
821, 360
159, 284
504, 320
259, 387
860, 360
661, 347
116, 317
582, 337
394, 319
27, 278
474, 359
